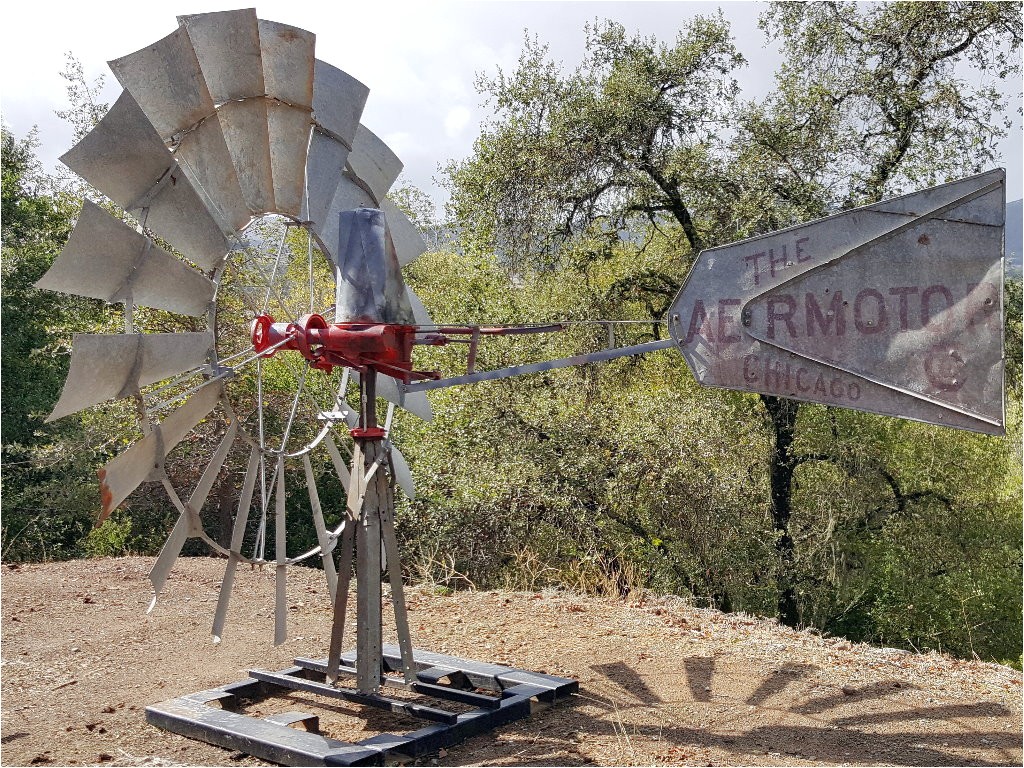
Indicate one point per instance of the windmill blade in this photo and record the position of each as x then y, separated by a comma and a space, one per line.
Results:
126, 472
288, 71
237, 537
166, 80
326, 546
338, 100
893, 308
414, 402
281, 556
106, 366
403, 475
125, 158
227, 46
409, 244
106, 259
339, 463
373, 163
188, 523
419, 312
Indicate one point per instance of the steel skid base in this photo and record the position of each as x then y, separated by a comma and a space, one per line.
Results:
498, 694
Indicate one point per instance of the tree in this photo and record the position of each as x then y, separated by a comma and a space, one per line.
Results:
868, 105
609, 148
45, 507
645, 139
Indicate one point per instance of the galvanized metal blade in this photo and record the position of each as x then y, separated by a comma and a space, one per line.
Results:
203, 155
373, 162
106, 366
289, 130
288, 72
339, 463
326, 545
414, 402
227, 46
106, 259
325, 165
403, 475
125, 158
281, 555
237, 537
126, 472
188, 523
338, 101
419, 312
894, 308
167, 82
409, 244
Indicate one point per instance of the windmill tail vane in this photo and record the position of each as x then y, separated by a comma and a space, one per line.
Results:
229, 128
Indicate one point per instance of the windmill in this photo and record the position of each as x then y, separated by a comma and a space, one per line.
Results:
233, 145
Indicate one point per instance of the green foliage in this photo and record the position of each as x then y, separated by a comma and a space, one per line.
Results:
49, 491
110, 539
1013, 300
607, 148
591, 190
587, 196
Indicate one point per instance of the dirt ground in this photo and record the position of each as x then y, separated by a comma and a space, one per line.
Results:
661, 683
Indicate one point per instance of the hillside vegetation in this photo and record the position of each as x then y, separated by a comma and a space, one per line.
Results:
587, 196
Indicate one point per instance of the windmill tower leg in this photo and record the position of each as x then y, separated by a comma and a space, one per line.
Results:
369, 531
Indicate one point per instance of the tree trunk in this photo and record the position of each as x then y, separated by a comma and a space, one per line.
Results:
783, 413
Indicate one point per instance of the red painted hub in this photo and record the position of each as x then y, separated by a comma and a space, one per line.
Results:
384, 347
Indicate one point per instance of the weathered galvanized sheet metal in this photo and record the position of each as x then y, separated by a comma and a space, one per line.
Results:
419, 312
124, 473
105, 366
391, 390
374, 163
894, 308
288, 129
288, 72
167, 82
338, 101
408, 241
370, 288
227, 46
348, 196
125, 158
106, 259
325, 167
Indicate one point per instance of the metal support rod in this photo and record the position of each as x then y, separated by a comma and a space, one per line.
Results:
547, 365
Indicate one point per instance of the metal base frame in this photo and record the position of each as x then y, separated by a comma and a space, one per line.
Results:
500, 695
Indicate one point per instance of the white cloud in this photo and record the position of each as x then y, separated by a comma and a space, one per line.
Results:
455, 121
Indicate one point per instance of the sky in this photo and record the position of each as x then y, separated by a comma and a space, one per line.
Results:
419, 59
